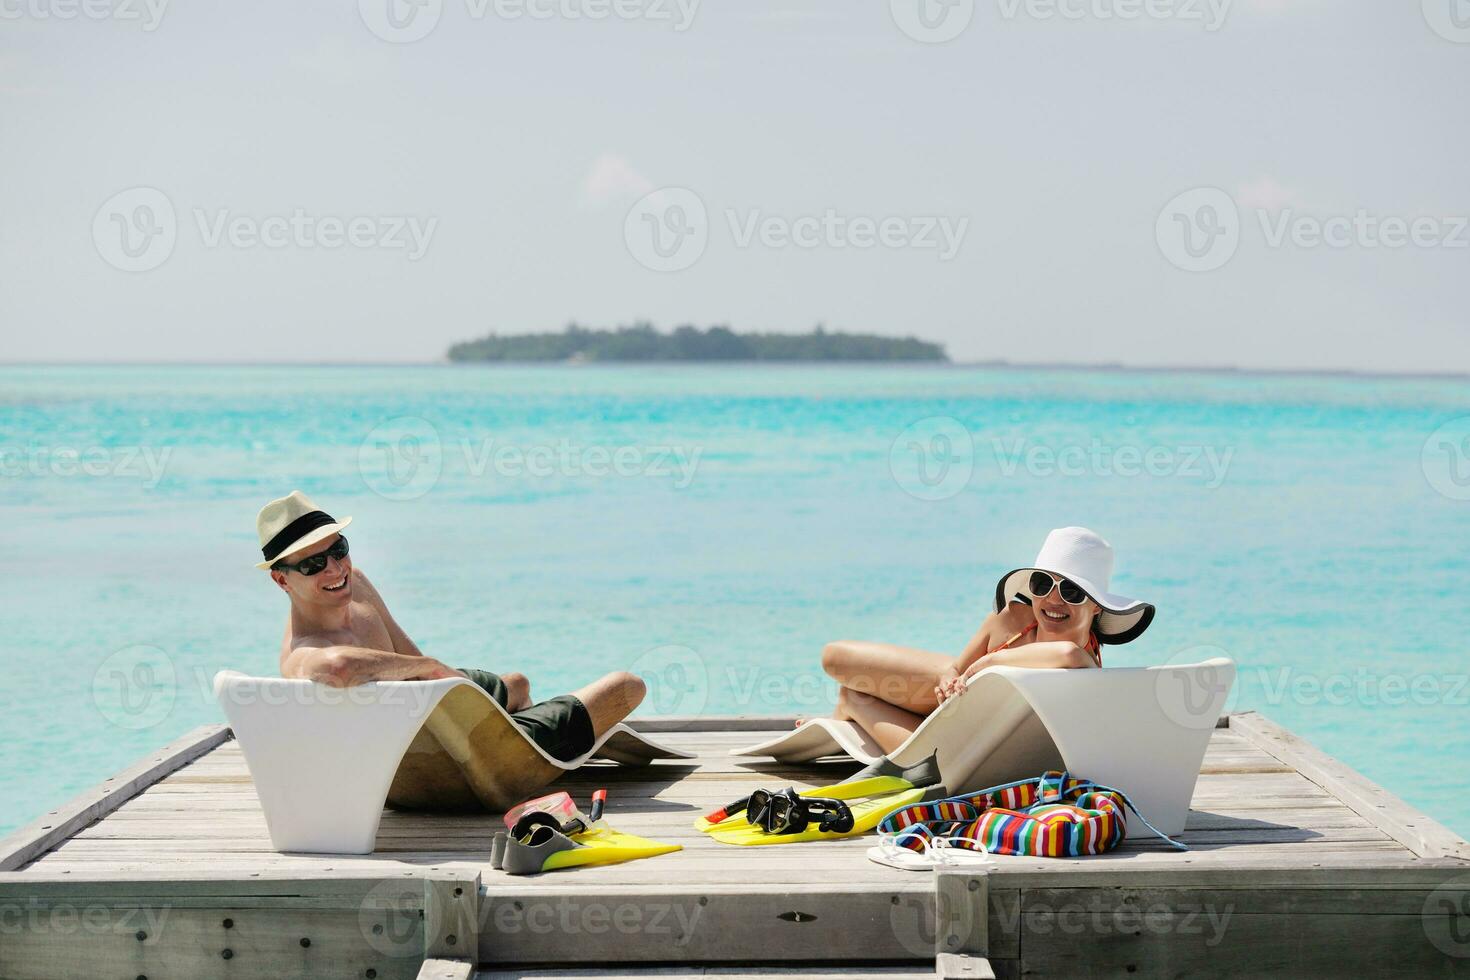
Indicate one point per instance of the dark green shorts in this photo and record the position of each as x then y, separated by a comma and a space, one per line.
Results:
561, 726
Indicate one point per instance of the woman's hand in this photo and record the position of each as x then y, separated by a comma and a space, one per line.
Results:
948, 686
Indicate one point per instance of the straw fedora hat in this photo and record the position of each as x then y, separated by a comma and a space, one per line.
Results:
291, 523
1084, 557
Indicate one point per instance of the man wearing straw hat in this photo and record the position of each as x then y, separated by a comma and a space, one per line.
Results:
341, 633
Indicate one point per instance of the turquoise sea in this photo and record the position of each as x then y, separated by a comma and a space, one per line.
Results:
712, 527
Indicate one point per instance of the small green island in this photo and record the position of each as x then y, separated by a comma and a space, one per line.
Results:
641, 342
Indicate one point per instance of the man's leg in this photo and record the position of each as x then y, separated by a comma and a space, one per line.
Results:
518, 692
610, 699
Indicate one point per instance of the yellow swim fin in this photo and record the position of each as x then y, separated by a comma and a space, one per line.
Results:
600, 845
869, 797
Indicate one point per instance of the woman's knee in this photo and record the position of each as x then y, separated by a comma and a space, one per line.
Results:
837, 658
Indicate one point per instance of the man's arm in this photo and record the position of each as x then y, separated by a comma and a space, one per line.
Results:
347, 666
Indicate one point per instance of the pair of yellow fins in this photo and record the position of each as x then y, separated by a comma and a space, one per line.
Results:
870, 795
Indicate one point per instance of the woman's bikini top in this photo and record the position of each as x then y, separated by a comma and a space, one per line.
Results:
1092, 644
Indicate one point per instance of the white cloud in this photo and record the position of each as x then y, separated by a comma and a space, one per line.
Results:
613, 177
1266, 194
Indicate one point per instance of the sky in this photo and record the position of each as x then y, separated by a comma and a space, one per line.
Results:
1254, 183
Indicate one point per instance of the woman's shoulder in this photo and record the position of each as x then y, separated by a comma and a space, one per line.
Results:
1014, 618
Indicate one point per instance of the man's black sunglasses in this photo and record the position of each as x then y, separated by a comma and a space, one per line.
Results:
313, 564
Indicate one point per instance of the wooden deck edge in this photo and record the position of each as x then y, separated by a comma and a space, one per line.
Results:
1416, 830
713, 723
36, 838
440, 969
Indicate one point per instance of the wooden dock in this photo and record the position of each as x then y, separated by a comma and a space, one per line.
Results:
1298, 867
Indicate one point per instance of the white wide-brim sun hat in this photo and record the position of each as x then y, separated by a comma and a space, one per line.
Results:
1084, 557
291, 523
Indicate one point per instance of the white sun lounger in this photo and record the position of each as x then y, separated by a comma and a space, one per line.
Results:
1141, 730
324, 760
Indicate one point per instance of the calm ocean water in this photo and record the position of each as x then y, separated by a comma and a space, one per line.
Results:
712, 527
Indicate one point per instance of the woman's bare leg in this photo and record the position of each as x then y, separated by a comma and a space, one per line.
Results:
900, 676
889, 726
611, 699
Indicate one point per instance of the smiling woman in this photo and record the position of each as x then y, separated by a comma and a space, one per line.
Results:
1055, 613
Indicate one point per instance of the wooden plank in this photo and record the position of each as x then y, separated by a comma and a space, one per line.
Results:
715, 723
1094, 933
41, 835
962, 966
735, 923
452, 917
749, 972
1417, 831
442, 969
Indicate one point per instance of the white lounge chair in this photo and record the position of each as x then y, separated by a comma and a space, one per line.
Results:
324, 760
1142, 730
